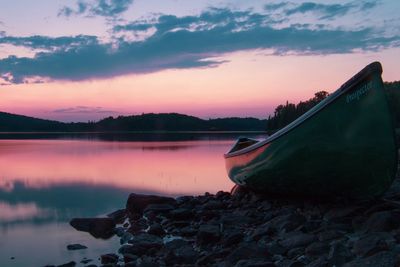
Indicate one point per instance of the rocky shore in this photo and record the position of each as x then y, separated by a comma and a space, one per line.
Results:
246, 229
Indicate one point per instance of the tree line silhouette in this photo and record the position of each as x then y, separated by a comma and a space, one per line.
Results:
285, 114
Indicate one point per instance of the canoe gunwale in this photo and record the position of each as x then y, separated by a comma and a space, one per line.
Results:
372, 68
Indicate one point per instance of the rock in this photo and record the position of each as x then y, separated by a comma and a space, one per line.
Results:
182, 254
263, 230
340, 212
86, 261
382, 221
317, 248
130, 258
255, 263
246, 251
283, 262
213, 205
109, 258
184, 199
148, 262
181, 214
369, 245
320, 262
231, 238
274, 248
68, 264
381, 259
137, 203
297, 239
286, 222
187, 231
132, 249
97, 227
147, 241
208, 234
296, 264
118, 216
207, 215
311, 225
295, 252
126, 237
76, 247
176, 243
159, 208
119, 231
235, 219
338, 254
156, 229
329, 235
222, 195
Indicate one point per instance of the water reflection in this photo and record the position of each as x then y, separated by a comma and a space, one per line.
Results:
171, 168
44, 183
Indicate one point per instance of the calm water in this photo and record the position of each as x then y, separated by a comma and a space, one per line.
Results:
46, 182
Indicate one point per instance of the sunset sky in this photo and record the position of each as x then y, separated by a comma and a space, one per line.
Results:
89, 59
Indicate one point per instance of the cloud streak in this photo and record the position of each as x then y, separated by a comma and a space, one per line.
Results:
323, 11
104, 8
178, 43
83, 109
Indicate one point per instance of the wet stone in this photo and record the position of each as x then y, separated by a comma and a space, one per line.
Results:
109, 258
137, 203
118, 216
381, 259
274, 248
181, 214
369, 245
97, 227
317, 248
382, 221
68, 264
246, 251
208, 234
156, 229
159, 208
255, 263
297, 239
76, 247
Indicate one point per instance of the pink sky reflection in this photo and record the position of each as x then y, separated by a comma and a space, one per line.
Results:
167, 167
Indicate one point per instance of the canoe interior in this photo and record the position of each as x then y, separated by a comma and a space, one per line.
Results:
242, 143
346, 148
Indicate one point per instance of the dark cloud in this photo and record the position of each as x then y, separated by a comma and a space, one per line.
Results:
369, 5
83, 109
48, 43
325, 11
275, 6
105, 8
182, 42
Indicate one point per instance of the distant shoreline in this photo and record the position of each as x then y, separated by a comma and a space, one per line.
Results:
139, 132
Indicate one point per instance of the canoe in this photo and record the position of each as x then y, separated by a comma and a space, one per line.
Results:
344, 146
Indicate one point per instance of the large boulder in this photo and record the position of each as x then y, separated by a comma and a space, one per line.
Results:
137, 203
97, 227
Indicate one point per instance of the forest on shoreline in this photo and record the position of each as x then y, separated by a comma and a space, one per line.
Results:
283, 115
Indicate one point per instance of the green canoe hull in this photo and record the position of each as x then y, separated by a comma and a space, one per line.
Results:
345, 146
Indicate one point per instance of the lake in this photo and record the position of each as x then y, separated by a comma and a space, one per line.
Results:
45, 180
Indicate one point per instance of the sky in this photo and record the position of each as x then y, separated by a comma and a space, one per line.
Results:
82, 60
